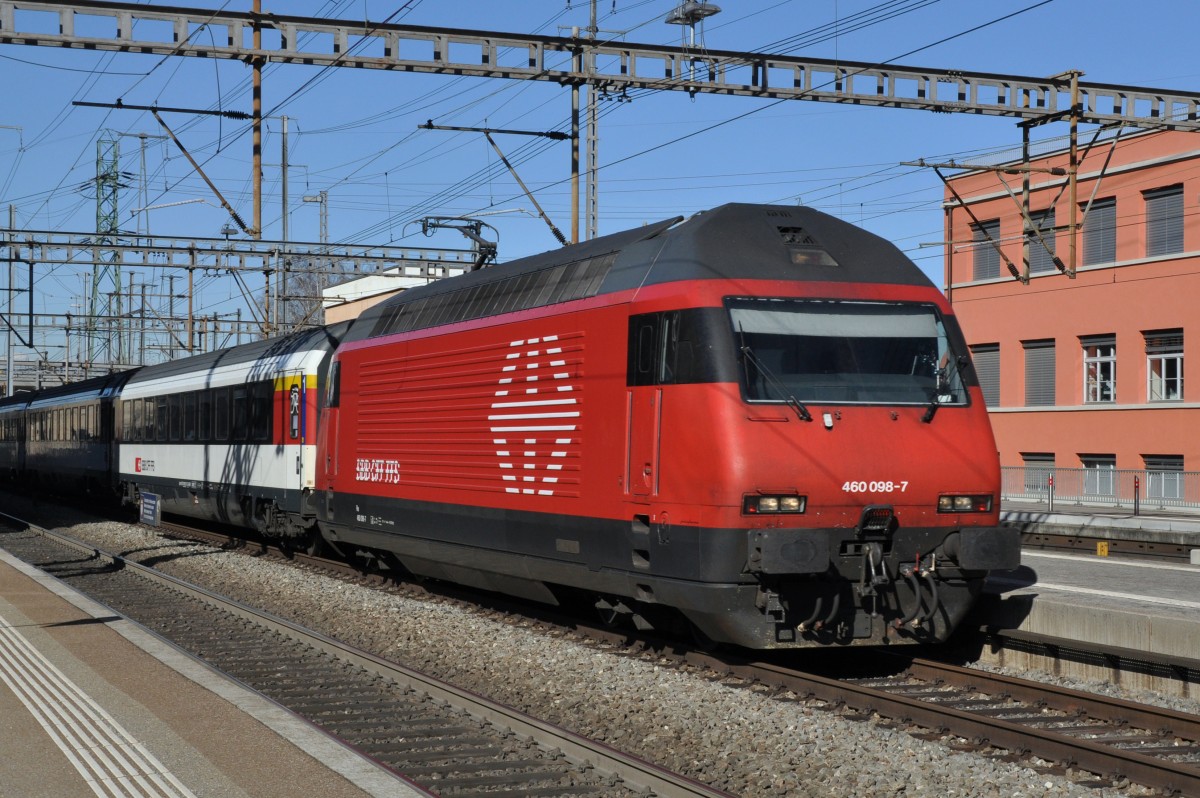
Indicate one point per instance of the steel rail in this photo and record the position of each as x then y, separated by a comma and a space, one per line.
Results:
633, 771
1115, 546
1091, 755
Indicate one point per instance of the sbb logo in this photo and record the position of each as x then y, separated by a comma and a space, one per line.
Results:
141, 464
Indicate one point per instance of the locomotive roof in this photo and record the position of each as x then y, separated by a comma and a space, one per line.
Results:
736, 241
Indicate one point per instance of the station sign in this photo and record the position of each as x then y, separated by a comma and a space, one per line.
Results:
151, 507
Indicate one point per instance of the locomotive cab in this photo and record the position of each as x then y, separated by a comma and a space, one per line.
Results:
832, 442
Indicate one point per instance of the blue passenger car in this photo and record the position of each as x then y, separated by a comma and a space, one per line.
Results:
12, 436
69, 441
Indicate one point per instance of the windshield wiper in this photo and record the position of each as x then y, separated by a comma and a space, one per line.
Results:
941, 384
788, 397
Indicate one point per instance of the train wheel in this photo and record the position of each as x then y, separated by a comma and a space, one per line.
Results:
313, 544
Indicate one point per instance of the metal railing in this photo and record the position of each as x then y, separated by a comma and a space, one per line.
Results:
1135, 489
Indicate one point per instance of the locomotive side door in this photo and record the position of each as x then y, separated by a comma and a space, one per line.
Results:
649, 344
645, 417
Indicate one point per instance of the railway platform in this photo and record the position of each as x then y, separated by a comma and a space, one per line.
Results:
1099, 596
91, 704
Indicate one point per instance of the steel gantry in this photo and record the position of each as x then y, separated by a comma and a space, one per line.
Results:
582, 59
573, 60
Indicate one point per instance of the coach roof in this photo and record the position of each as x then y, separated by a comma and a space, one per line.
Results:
270, 352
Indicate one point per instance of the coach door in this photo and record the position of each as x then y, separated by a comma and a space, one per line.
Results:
294, 414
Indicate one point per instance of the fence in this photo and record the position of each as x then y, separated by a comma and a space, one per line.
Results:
1136, 490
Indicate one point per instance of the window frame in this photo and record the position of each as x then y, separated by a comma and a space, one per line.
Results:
1038, 394
1041, 258
1162, 350
1099, 369
986, 359
1164, 476
1164, 221
1099, 474
1038, 467
985, 258
1100, 237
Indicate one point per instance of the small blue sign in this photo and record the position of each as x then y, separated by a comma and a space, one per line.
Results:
151, 509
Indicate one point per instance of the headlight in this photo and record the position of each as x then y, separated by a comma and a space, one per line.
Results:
790, 504
773, 505
978, 503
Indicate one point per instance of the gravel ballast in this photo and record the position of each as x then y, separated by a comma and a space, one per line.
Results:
736, 738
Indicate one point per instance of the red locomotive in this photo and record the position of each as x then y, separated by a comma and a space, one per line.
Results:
762, 420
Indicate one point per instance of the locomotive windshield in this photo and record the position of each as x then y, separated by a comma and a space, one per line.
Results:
841, 352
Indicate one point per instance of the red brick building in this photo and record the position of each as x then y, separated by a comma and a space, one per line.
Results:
1086, 375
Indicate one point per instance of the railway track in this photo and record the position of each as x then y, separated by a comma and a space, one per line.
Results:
1115, 740
1112, 547
448, 741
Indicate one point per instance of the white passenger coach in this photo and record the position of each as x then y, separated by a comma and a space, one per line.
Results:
229, 435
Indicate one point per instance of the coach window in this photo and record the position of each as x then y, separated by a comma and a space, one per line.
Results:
189, 416
241, 412
73, 431
175, 416
260, 416
149, 409
205, 413
162, 418
138, 431
221, 399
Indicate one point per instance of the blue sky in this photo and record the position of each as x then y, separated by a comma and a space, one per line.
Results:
353, 133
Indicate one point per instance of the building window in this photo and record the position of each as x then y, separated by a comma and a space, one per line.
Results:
1041, 255
987, 368
1099, 472
1164, 221
1039, 373
1099, 368
1164, 365
1100, 233
986, 259
1164, 476
1039, 467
